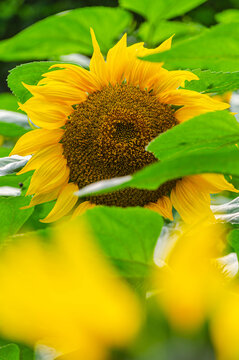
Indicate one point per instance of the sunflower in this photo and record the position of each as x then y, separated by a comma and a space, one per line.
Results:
95, 124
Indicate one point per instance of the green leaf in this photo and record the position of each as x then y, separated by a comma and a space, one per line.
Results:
40, 212
13, 124
11, 216
11, 130
228, 16
29, 74
8, 102
4, 151
155, 34
204, 51
209, 130
233, 240
214, 82
160, 9
10, 352
26, 353
128, 237
14, 180
65, 33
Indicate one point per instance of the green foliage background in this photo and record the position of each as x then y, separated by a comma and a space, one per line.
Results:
34, 36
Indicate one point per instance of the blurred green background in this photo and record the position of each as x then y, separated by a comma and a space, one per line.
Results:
16, 15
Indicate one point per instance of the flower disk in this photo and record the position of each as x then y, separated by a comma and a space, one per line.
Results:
106, 137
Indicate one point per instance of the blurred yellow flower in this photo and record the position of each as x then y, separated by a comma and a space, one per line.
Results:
224, 325
65, 295
191, 283
193, 289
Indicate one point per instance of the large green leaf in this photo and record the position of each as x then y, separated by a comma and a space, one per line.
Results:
29, 74
128, 237
208, 130
215, 49
9, 352
11, 216
65, 33
153, 34
214, 82
160, 9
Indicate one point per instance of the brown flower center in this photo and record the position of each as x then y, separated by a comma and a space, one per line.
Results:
106, 136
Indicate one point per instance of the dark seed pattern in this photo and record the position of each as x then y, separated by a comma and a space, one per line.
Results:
106, 136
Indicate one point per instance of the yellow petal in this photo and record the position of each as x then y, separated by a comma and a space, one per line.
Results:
41, 157
57, 92
213, 183
65, 202
163, 206
166, 81
166, 45
35, 140
45, 113
190, 98
117, 61
49, 176
97, 63
75, 76
191, 203
189, 112
82, 208
43, 198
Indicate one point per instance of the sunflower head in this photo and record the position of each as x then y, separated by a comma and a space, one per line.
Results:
95, 125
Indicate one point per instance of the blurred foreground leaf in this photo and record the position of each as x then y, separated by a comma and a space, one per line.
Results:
65, 33
128, 237
215, 49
